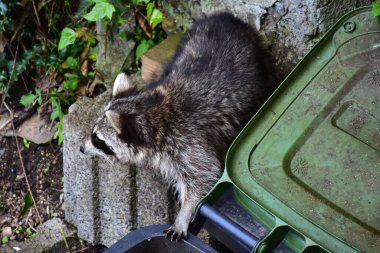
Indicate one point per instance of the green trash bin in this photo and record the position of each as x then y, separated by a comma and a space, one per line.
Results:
307, 165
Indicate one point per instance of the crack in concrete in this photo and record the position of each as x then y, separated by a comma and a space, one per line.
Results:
96, 199
133, 209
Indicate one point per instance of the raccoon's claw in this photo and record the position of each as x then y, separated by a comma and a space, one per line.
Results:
175, 235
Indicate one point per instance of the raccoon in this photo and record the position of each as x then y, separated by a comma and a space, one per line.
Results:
182, 124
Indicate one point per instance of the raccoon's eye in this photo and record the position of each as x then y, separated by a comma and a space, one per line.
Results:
100, 144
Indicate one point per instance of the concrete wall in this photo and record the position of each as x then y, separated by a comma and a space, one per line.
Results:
106, 202
289, 28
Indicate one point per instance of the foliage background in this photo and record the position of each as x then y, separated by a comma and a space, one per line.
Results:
48, 55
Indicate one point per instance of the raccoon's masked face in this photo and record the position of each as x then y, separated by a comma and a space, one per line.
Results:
109, 132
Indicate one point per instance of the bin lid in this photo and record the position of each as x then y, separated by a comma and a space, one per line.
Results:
311, 155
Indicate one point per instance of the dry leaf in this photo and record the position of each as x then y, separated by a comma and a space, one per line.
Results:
47, 82
81, 90
84, 68
7, 231
84, 53
92, 86
3, 41
144, 23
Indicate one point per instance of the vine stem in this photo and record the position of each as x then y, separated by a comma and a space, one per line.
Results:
36, 12
21, 161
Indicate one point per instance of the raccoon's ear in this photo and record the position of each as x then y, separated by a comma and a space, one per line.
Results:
122, 86
126, 126
115, 119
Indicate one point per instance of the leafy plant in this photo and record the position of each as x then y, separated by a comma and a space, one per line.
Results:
148, 21
68, 37
28, 203
376, 8
101, 10
11, 70
19, 230
26, 143
146, 35
30, 98
30, 233
68, 53
5, 239
155, 16
25, 232
143, 47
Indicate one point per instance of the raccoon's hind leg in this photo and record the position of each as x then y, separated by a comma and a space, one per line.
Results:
179, 229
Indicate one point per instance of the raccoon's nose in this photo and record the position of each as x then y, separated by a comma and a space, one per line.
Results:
81, 149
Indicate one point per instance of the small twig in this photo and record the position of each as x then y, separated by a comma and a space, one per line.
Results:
21, 117
64, 238
13, 67
106, 44
51, 17
9, 83
25, 114
1, 105
32, 228
14, 57
35, 10
27, 218
5, 124
22, 163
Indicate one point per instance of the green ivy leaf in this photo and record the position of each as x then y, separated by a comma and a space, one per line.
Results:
54, 100
93, 55
91, 74
121, 21
71, 63
156, 18
60, 132
123, 35
144, 46
376, 8
69, 75
5, 239
28, 203
26, 143
71, 84
3, 60
68, 37
39, 96
149, 9
57, 108
100, 10
28, 99
56, 113
140, 2
98, 1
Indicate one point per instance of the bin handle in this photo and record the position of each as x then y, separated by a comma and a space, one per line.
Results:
236, 231
272, 240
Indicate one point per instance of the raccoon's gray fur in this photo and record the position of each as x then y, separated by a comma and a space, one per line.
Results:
182, 124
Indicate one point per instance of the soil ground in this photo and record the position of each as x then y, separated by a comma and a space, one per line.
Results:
43, 165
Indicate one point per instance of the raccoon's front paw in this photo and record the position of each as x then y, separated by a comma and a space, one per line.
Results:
175, 233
